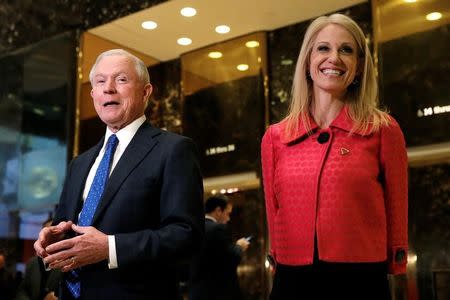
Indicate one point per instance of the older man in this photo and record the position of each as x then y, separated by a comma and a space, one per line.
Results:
131, 206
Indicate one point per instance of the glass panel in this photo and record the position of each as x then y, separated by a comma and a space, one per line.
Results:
36, 107
34, 118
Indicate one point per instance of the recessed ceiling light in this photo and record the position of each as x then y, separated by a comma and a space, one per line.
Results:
252, 44
188, 11
184, 41
222, 29
409, 1
149, 25
242, 67
434, 16
215, 54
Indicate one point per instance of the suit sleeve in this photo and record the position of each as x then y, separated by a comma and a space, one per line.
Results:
181, 212
268, 168
394, 166
226, 249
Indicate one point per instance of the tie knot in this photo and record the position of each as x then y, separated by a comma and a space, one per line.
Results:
112, 143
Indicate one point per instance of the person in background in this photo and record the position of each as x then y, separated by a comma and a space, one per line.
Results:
213, 273
7, 282
335, 174
39, 284
131, 208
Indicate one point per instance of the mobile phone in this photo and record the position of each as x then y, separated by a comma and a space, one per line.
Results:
249, 238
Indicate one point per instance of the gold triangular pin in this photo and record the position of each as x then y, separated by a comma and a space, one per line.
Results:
344, 151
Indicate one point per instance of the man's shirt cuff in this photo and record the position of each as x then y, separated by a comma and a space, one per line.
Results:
112, 261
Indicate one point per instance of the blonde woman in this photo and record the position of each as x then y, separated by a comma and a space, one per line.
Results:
335, 174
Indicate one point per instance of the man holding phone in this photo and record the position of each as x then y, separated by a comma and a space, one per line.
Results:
213, 273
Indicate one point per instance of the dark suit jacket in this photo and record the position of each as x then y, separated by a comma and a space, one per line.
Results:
213, 273
152, 204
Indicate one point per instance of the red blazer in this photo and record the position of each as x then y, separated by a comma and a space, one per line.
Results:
350, 191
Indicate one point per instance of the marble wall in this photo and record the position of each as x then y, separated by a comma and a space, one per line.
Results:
25, 22
164, 109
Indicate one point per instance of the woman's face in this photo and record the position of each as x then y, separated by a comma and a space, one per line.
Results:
333, 62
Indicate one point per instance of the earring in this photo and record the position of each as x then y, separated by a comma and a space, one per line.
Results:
355, 81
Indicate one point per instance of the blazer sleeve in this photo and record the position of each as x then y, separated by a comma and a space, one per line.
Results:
394, 168
181, 214
268, 168
226, 250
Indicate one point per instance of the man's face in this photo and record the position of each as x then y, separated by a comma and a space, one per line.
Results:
119, 95
224, 215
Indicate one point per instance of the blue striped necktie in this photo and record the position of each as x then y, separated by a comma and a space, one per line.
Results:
91, 203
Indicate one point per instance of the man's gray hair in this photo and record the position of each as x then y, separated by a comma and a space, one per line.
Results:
141, 68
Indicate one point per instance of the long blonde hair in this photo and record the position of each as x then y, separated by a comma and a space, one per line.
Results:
362, 98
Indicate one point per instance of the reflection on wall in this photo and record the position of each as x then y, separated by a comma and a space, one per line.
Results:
248, 218
35, 119
225, 121
36, 115
42, 175
429, 234
223, 103
416, 84
164, 109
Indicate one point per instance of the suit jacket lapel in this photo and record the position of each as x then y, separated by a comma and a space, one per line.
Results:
142, 143
79, 180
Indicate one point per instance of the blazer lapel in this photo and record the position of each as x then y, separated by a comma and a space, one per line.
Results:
79, 180
142, 143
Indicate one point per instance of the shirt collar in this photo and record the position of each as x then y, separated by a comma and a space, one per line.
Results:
211, 218
125, 134
342, 121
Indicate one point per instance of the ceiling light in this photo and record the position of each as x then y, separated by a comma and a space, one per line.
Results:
184, 41
149, 25
409, 1
188, 11
434, 16
252, 44
215, 54
222, 29
242, 67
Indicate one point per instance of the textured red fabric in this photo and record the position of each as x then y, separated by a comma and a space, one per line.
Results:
351, 192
